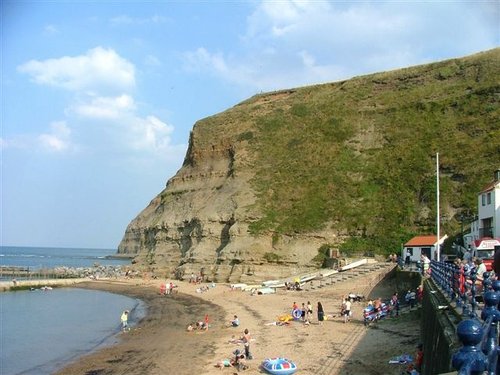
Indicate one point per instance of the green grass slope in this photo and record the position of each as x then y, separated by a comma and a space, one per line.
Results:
358, 156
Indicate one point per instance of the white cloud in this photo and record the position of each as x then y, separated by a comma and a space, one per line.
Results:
292, 43
105, 107
103, 120
126, 20
50, 30
58, 139
141, 139
150, 133
151, 60
201, 60
98, 69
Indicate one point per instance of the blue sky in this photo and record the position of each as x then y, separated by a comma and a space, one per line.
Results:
98, 97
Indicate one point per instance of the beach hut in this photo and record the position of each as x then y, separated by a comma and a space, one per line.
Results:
419, 245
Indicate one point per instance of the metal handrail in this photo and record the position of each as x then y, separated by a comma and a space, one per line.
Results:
480, 340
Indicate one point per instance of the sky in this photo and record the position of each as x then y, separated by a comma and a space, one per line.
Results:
98, 97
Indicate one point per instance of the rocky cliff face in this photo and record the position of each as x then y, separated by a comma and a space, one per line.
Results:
199, 222
268, 182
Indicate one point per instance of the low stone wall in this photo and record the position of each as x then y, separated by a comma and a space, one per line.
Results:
406, 280
9, 285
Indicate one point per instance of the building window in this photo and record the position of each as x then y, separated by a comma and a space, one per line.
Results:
483, 199
488, 198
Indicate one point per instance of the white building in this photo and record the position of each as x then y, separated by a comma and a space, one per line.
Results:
487, 224
421, 245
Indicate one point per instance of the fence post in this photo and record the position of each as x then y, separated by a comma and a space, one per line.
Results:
470, 359
491, 316
465, 302
473, 278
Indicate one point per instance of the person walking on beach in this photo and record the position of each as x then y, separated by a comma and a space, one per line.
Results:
124, 320
309, 311
347, 310
321, 313
246, 342
395, 304
303, 312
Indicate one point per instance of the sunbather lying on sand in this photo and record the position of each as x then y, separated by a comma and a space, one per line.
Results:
224, 363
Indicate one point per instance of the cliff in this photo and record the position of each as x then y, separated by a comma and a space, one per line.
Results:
268, 186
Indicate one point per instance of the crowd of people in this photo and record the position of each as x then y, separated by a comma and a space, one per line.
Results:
239, 358
200, 325
406, 263
168, 288
305, 313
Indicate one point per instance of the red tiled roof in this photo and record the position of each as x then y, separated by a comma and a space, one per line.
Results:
422, 241
489, 187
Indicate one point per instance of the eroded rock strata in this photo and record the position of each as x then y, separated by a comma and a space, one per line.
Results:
268, 182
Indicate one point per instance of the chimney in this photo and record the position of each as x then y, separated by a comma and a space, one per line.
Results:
497, 175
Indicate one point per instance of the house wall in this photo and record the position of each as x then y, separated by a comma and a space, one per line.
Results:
488, 210
496, 215
417, 252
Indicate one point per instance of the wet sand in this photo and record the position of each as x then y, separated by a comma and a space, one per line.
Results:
161, 345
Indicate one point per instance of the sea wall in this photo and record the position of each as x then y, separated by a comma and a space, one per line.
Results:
26, 284
438, 322
438, 328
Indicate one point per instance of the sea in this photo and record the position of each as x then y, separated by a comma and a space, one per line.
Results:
43, 330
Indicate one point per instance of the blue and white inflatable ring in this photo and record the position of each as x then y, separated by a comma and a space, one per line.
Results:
279, 366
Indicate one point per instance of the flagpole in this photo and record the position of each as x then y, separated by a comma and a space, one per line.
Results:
438, 219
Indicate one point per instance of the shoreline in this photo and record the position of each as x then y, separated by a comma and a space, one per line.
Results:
157, 342
160, 343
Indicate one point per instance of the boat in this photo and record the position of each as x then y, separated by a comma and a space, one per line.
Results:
354, 264
250, 287
279, 366
240, 286
266, 290
273, 283
328, 273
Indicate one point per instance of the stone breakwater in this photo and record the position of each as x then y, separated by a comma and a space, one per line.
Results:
6, 286
95, 272
64, 276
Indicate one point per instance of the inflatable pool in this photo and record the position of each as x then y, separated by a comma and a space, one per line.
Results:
279, 366
296, 314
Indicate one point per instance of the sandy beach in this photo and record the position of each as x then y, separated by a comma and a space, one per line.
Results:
160, 343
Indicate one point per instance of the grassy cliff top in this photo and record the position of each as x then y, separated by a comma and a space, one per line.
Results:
358, 156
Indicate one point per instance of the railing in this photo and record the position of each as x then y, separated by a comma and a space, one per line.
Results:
480, 342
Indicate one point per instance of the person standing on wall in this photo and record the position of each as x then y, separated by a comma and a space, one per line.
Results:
408, 258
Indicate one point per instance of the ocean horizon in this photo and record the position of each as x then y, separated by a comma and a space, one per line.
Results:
43, 330
50, 257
